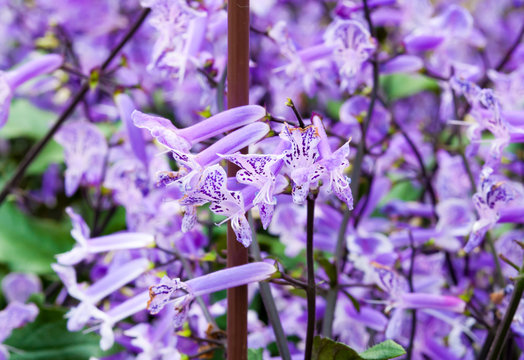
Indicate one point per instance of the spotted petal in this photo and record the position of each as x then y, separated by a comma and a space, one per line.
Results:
160, 295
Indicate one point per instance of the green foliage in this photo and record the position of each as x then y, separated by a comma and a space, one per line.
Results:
47, 338
29, 244
383, 351
254, 354
399, 86
327, 349
27, 121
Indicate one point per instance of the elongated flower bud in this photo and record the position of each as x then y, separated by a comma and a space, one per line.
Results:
183, 139
166, 291
125, 108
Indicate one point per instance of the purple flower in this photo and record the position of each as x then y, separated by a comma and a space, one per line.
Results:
168, 291
301, 158
400, 299
212, 187
86, 245
12, 79
192, 166
15, 315
125, 109
333, 164
20, 286
118, 313
492, 196
353, 46
181, 30
85, 149
259, 171
182, 140
114, 280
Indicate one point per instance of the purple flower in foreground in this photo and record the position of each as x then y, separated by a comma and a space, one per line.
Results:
89, 297
86, 245
491, 197
85, 149
15, 315
333, 164
123, 310
301, 158
12, 79
125, 108
192, 166
182, 140
259, 171
212, 187
168, 291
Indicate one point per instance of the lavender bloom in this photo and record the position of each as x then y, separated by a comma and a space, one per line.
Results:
125, 108
492, 196
401, 299
212, 187
259, 171
123, 310
182, 140
86, 245
165, 292
19, 286
353, 46
181, 31
12, 79
301, 158
85, 149
105, 286
333, 164
15, 315
193, 165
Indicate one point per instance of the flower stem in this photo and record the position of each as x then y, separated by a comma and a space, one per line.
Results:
39, 146
504, 327
237, 95
311, 288
269, 301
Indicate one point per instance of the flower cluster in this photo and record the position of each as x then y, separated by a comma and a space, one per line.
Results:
375, 178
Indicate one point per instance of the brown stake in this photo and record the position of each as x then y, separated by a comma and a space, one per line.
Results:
237, 95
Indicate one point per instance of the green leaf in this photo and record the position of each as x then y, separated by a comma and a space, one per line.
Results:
383, 351
399, 86
52, 153
26, 120
29, 244
47, 338
327, 349
254, 354
328, 267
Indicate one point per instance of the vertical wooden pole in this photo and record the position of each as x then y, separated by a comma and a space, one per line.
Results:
237, 95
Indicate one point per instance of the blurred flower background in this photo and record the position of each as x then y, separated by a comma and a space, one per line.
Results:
386, 150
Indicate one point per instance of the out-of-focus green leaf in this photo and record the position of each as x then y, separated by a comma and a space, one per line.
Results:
47, 338
52, 153
29, 244
403, 191
26, 120
327, 349
384, 351
333, 109
399, 86
254, 354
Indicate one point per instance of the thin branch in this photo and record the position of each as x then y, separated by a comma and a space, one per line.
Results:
39, 146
